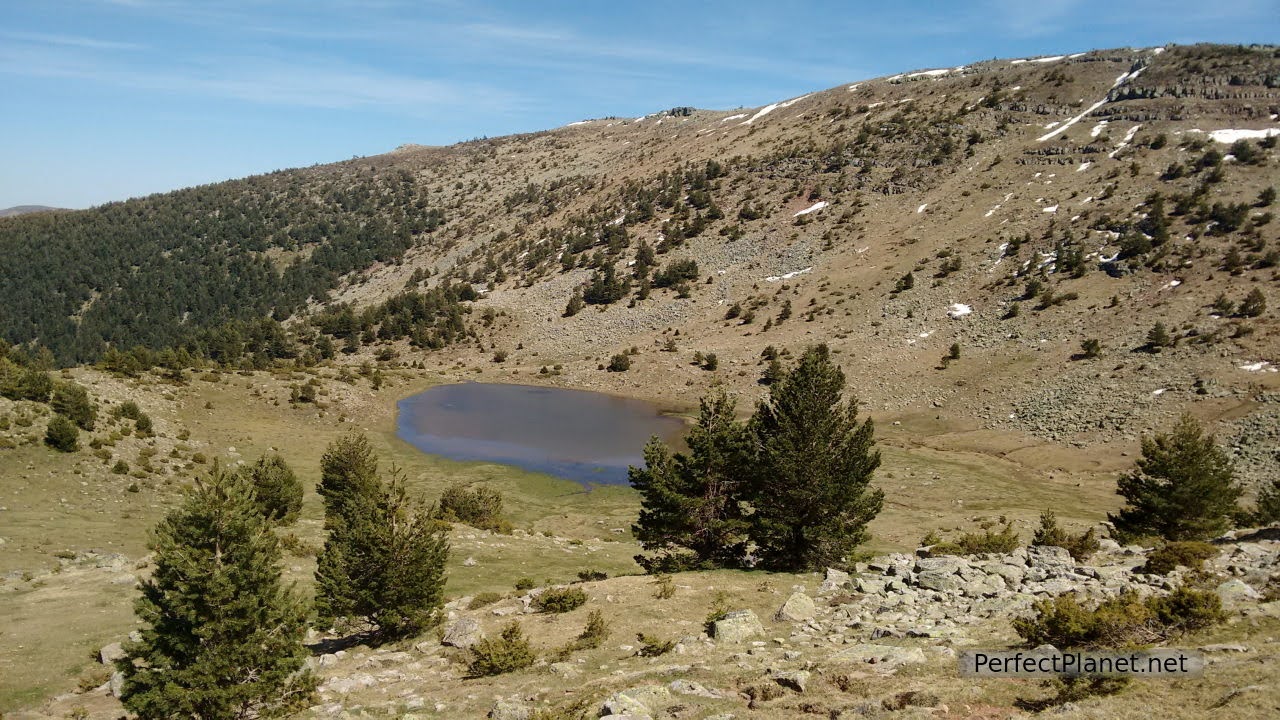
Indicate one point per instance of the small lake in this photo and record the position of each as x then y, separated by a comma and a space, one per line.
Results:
575, 434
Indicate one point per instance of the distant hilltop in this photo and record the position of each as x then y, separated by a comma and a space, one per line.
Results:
25, 209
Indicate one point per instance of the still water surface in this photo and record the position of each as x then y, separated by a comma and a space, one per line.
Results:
576, 434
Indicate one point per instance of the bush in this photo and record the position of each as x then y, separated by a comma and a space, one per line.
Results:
619, 363
592, 575
560, 600
1081, 546
525, 583
1123, 621
666, 588
1253, 305
72, 401
62, 434
120, 468
1190, 554
591, 637
479, 507
651, 646
482, 599
1005, 541
507, 653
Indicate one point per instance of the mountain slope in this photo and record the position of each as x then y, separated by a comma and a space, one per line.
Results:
1097, 193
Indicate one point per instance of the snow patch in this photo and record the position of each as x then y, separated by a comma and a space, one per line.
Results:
1230, 136
739, 116
812, 208
1128, 137
1050, 209
958, 310
921, 208
1097, 129
1158, 391
788, 276
1260, 366
853, 87
770, 108
1083, 166
579, 122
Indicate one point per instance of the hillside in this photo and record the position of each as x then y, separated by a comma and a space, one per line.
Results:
987, 250
972, 179
24, 210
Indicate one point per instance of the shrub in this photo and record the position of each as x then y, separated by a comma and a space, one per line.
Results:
619, 363
1091, 348
525, 583
507, 653
72, 401
592, 575
560, 600
591, 637
62, 434
1081, 546
1005, 541
1253, 305
120, 468
651, 646
710, 362
479, 507
482, 599
1190, 554
1187, 610
666, 588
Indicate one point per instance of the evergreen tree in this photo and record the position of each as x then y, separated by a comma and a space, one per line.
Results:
1253, 305
690, 502
223, 636
810, 479
1158, 337
1268, 503
71, 400
1182, 489
384, 558
277, 492
62, 434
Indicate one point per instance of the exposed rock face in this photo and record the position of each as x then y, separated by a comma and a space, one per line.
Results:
643, 701
462, 633
737, 626
797, 607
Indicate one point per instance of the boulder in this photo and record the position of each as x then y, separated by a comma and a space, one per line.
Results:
641, 701
737, 626
688, 687
111, 653
462, 633
792, 679
798, 607
510, 710
835, 580
1234, 592
885, 657
116, 684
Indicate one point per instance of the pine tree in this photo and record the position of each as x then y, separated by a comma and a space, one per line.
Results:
1269, 503
1182, 489
383, 561
276, 490
71, 400
1253, 305
690, 502
811, 474
223, 636
62, 434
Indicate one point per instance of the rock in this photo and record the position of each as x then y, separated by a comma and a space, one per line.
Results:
888, 657
941, 565
116, 684
835, 580
938, 581
469, 562
872, 584
1224, 647
737, 626
462, 633
1011, 574
565, 670
793, 679
798, 607
111, 653
1049, 557
1234, 592
327, 660
985, 586
640, 701
510, 710
688, 687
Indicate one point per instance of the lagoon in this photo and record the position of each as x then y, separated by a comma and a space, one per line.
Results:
580, 435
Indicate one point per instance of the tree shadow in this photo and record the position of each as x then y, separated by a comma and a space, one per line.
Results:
327, 646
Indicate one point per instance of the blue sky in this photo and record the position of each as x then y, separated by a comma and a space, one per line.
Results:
108, 99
